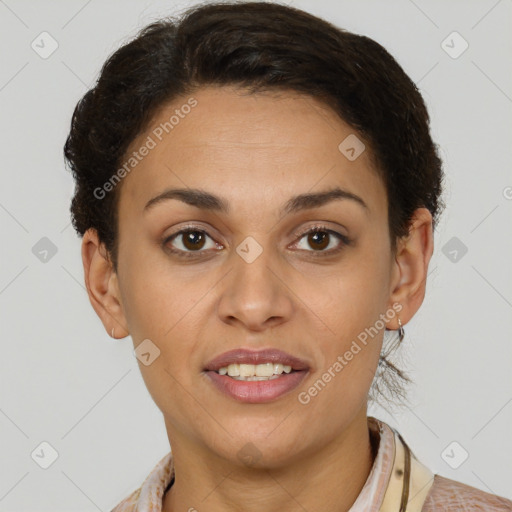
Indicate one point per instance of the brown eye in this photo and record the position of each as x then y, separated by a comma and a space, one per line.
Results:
193, 240
189, 241
319, 238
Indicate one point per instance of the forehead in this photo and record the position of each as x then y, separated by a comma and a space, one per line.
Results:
247, 147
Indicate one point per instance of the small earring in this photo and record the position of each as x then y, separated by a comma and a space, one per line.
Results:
401, 332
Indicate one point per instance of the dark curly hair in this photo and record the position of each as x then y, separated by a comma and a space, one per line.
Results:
259, 46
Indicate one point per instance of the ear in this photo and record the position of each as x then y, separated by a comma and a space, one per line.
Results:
410, 269
102, 285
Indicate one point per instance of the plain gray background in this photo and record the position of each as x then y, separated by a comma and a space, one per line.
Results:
66, 383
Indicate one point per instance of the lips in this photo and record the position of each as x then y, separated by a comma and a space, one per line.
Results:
256, 391
245, 356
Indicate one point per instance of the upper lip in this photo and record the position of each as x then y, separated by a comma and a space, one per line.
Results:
246, 356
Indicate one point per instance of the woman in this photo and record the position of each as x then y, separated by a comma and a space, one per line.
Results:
257, 192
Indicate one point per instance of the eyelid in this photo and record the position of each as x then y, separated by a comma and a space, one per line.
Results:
319, 226
185, 229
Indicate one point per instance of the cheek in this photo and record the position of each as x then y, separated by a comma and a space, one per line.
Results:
154, 296
351, 295
350, 301
170, 391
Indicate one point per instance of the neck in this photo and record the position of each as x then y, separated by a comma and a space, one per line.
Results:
329, 479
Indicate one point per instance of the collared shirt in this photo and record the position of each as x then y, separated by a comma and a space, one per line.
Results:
398, 482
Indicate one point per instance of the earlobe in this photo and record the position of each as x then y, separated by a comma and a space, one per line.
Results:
101, 283
411, 265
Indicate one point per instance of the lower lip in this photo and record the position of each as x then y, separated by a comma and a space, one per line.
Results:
256, 391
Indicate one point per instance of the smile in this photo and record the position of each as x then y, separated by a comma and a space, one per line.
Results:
255, 372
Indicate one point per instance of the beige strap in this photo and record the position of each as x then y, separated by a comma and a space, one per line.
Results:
402, 494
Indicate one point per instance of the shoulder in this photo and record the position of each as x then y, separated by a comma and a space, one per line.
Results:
451, 496
148, 495
129, 504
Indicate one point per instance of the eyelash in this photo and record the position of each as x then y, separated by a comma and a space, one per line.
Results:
317, 228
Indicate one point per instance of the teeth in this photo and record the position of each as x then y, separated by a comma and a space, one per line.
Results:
247, 370
263, 371
278, 368
233, 370
257, 378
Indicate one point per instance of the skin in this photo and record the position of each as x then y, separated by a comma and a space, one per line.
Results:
257, 151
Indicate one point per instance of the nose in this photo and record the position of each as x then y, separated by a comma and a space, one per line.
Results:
255, 293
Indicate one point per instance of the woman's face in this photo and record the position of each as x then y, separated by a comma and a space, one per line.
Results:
254, 280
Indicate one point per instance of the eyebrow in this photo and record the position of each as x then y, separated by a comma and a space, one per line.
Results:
207, 201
